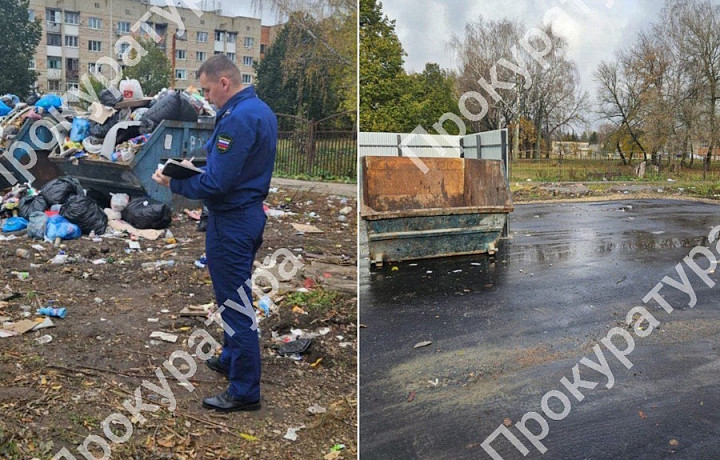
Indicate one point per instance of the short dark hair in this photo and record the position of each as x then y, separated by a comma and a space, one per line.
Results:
220, 66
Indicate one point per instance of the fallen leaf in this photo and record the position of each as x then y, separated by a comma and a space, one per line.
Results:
317, 363
674, 442
411, 396
642, 415
507, 422
248, 437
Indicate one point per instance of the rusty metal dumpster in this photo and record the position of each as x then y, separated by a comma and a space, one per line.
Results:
459, 206
171, 139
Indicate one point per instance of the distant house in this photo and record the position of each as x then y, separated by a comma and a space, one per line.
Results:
573, 149
702, 152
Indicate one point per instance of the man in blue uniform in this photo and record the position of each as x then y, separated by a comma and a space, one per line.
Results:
240, 159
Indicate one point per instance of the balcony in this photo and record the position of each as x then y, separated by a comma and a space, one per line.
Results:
54, 74
53, 27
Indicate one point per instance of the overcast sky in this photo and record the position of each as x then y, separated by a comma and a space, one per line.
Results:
425, 26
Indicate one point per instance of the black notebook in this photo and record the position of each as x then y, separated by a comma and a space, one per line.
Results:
174, 169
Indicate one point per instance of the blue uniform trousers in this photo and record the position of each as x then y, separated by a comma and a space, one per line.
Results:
232, 240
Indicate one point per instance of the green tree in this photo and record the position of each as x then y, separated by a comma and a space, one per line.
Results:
381, 70
17, 47
153, 71
433, 95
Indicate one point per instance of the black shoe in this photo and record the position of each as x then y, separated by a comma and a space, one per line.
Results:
214, 364
225, 402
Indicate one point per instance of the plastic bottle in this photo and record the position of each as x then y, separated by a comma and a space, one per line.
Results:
264, 304
53, 311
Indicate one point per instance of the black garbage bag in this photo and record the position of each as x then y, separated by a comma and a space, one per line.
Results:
108, 99
99, 197
146, 213
85, 213
173, 105
100, 131
32, 99
30, 204
57, 191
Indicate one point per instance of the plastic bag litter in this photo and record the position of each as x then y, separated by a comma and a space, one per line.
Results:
10, 100
4, 109
131, 89
60, 227
57, 191
100, 131
48, 101
36, 225
30, 204
14, 224
173, 105
145, 213
80, 129
86, 214
110, 97
119, 201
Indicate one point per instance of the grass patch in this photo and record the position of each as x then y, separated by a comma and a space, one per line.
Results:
315, 300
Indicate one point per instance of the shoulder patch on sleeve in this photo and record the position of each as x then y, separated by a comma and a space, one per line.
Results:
224, 143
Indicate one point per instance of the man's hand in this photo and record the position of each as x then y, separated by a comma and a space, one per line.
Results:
161, 178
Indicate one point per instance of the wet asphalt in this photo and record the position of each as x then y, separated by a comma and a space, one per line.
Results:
504, 331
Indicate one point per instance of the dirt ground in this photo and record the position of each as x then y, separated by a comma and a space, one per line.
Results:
55, 394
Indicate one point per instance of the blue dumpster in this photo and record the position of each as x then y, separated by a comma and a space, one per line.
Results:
41, 139
171, 139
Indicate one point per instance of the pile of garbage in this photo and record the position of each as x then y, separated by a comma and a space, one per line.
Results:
63, 210
117, 127
114, 128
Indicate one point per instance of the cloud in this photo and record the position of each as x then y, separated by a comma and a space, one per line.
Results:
426, 26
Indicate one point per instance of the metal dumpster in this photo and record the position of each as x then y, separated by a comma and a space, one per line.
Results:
171, 139
459, 206
43, 170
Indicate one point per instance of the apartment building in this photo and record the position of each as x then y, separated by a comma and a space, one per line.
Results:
78, 33
268, 34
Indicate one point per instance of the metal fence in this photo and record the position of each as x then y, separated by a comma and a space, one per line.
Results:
324, 148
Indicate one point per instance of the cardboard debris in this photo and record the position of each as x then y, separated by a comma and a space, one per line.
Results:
197, 310
21, 326
172, 338
122, 226
306, 228
99, 113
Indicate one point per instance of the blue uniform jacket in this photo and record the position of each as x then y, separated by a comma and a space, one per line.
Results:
240, 158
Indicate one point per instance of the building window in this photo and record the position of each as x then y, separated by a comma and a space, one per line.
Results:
94, 68
54, 62
124, 47
32, 64
181, 54
127, 12
219, 35
54, 85
180, 74
217, 52
97, 5
247, 60
231, 56
72, 64
123, 27
95, 23
71, 41
249, 42
52, 16
31, 15
94, 45
54, 40
200, 55
72, 17
202, 37
246, 78
232, 37
263, 48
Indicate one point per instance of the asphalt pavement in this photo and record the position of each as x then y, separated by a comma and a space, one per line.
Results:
504, 331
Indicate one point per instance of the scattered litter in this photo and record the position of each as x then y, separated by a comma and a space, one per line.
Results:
316, 409
434, 383
295, 347
317, 362
172, 338
659, 232
303, 228
412, 265
38, 247
395, 268
457, 271
292, 433
422, 344
53, 311
476, 264
59, 259
346, 210
197, 310
47, 338
22, 253
248, 437
428, 272
153, 320
201, 262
